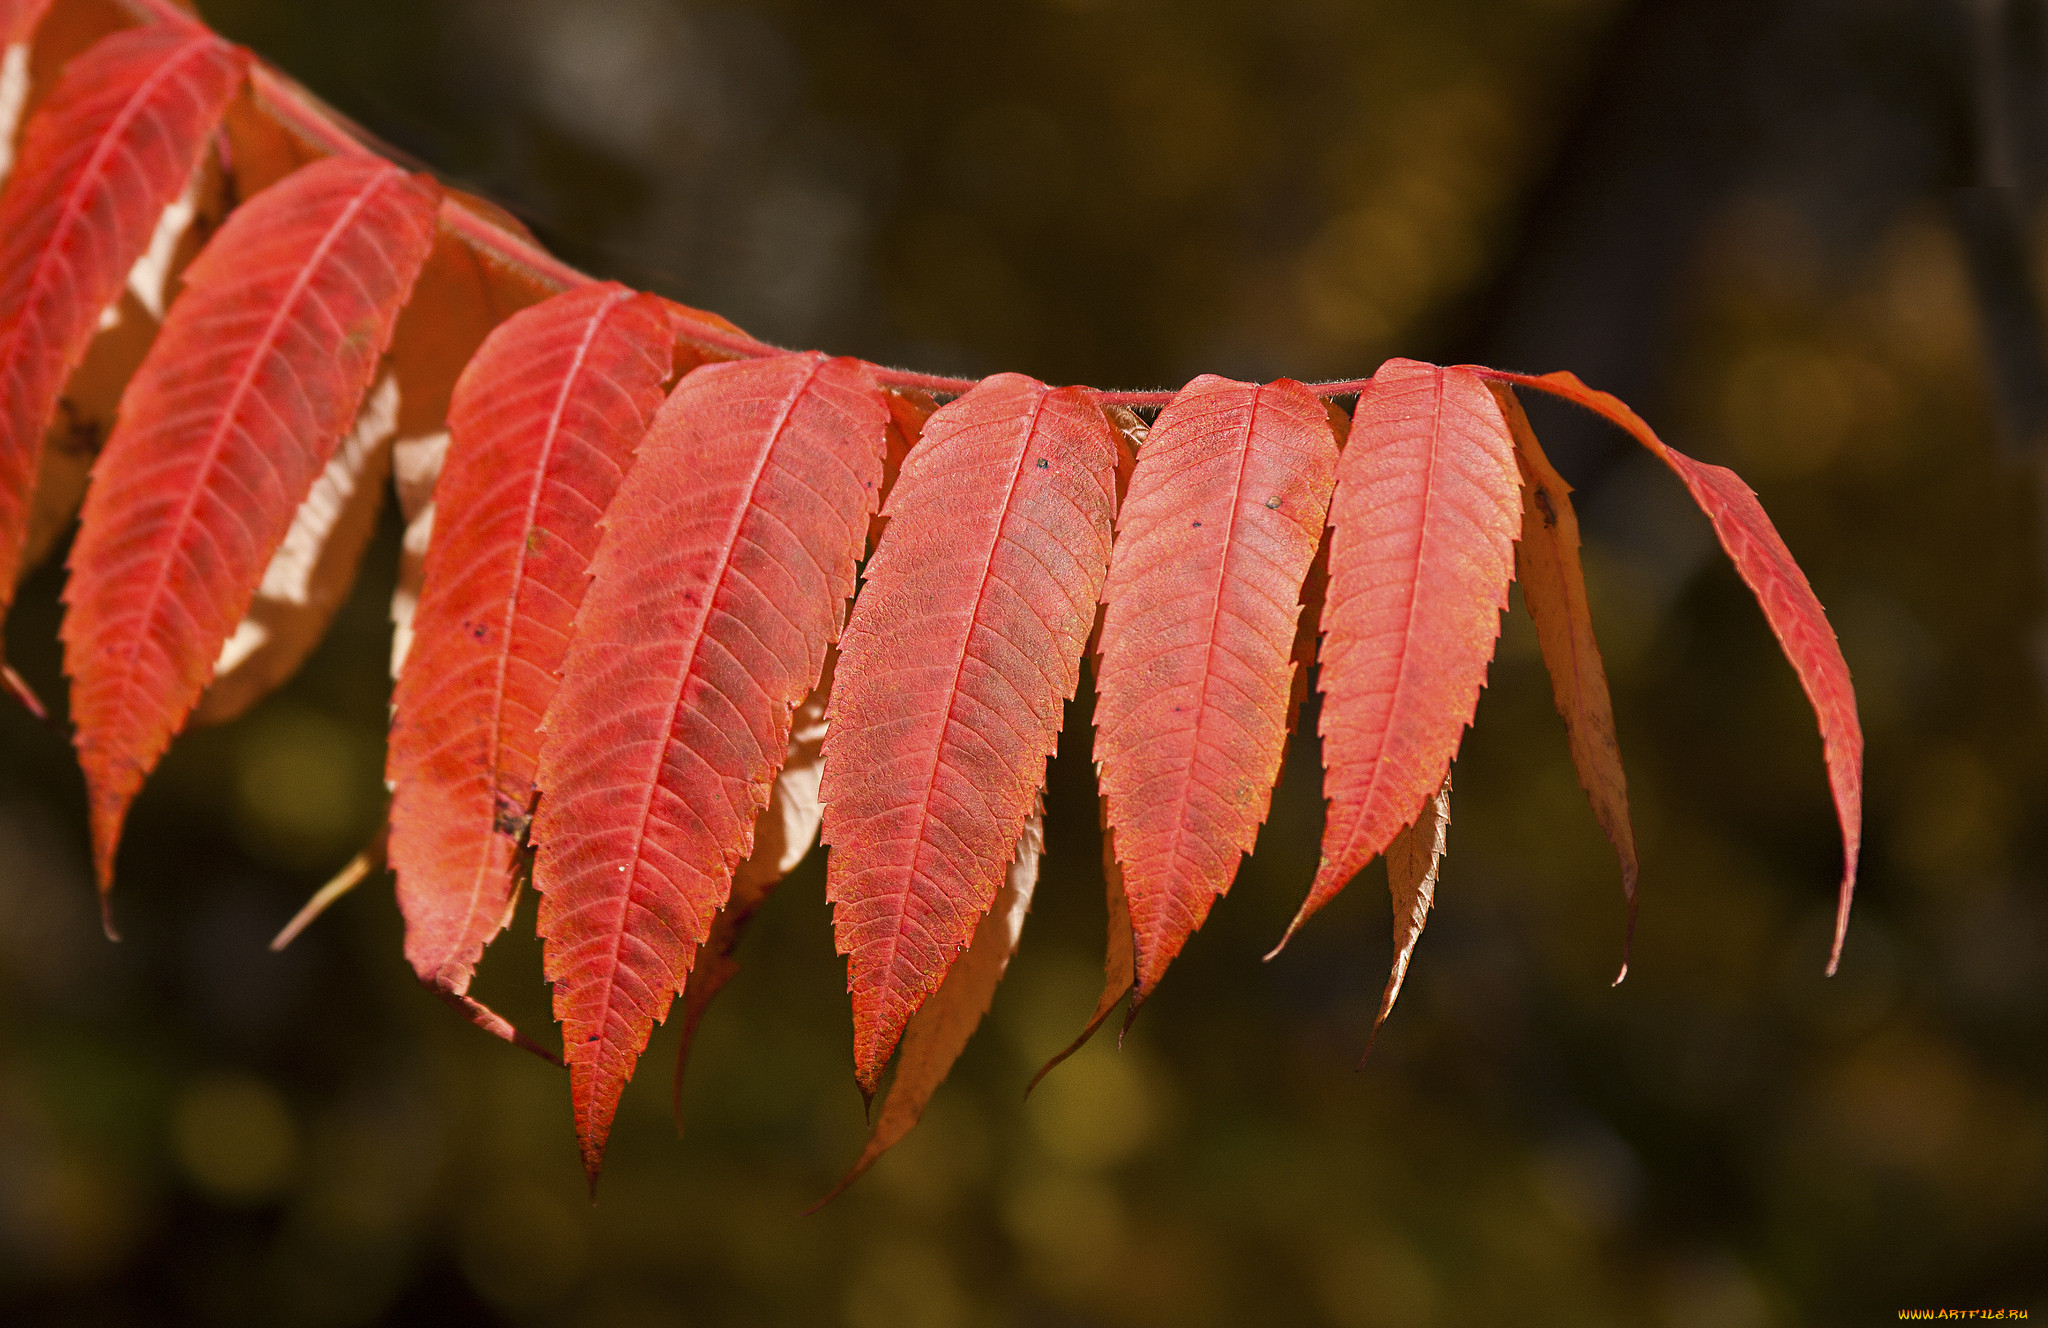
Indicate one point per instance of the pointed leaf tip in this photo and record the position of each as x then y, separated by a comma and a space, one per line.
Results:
24, 695
940, 1030
1414, 858
1119, 964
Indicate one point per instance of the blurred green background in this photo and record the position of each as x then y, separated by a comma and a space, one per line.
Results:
1799, 235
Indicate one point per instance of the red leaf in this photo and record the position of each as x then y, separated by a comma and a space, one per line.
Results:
939, 1031
789, 825
256, 376
964, 645
456, 303
1788, 602
1424, 523
111, 149
721, 580
544, 422
1203, 603
18, 18
1554, 589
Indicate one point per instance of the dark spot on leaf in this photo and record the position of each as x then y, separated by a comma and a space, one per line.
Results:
1549, 512
591, 1038
1043, 463
509, 819
1274, 502
1197, 525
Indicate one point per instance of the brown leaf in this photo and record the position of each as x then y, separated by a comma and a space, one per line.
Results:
938, 1032
1119, 964
1554, 588
783, 836
1412, 862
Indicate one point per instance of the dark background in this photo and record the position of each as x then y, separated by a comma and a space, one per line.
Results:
1799, 236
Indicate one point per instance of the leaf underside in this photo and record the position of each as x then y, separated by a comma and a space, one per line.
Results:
256, 376
1214, 541
963, 647
1554, 589
1424, 521
1413, 859
720, 582
111, 149
783, 835
543, 425
939, 1031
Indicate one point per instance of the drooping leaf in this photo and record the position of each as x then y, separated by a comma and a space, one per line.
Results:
1203, 604
720, 582
783, 836
1119, 960
371, 859
1421, 557
939, 1031
1413, 859
110, 150
963, 647
257, 374
1554, 588
1789, 605
544, 423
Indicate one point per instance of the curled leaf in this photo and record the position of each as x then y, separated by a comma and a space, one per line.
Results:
1789, 604
310, 574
